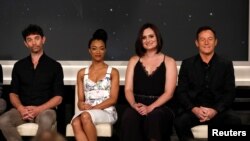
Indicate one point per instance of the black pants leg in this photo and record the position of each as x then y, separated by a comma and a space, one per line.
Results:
183, 124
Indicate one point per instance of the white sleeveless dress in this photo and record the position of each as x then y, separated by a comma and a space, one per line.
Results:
95, 93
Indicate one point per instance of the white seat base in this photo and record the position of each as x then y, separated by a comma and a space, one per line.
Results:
103, 130
27, 129
200, 131
30, 129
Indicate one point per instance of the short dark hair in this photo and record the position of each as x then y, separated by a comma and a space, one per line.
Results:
100, 34
203, 28
139, 49
32, 29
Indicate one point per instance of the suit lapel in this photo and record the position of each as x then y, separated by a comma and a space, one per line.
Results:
198, 71
214, 65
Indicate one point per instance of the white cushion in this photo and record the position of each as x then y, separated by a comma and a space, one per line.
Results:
27, 129
30, 129
103, 130
200, 131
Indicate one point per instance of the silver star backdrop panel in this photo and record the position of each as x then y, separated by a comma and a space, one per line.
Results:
69, 24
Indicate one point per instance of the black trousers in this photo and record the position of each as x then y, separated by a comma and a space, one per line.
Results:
185, 121
156, 126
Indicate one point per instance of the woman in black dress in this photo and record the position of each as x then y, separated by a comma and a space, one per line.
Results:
149, 85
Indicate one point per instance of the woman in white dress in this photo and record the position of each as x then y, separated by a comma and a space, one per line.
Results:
98, 87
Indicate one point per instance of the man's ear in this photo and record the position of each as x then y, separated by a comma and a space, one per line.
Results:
216, 42
196, 43
43, 39
25, 43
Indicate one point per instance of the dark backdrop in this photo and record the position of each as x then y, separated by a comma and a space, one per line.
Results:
68, 25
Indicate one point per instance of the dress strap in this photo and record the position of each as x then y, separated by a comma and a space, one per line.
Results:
108, 71
139, 59
86, 73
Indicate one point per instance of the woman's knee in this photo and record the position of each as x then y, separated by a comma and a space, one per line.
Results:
130, 115
86, 118
159, 113
76, 122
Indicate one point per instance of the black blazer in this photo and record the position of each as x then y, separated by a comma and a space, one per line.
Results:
221, 83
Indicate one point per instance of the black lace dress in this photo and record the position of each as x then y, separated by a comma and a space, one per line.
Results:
156, 125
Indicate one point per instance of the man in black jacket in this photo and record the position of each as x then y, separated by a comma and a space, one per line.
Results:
206, 88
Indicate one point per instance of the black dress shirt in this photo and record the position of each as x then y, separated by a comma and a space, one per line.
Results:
211, 85
37, 86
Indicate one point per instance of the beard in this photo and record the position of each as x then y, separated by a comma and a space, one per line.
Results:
36, 49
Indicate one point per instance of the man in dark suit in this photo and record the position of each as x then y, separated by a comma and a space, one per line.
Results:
206, 87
